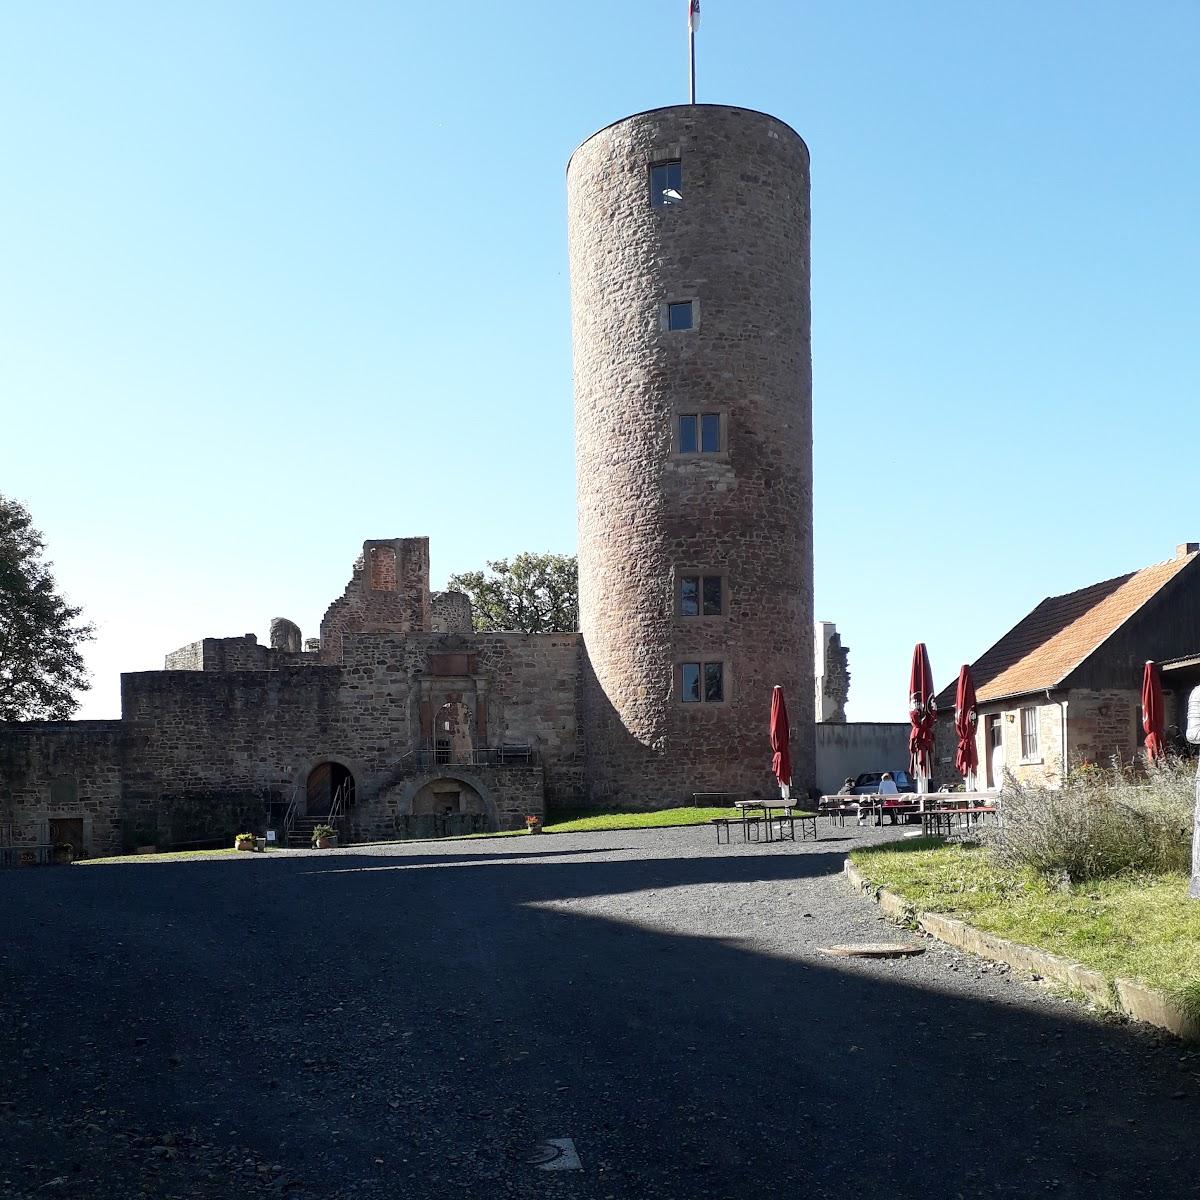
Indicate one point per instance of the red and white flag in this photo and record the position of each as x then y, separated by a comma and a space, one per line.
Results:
693, 15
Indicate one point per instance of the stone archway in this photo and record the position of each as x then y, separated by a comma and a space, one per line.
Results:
327, 780
446, 798
447, 792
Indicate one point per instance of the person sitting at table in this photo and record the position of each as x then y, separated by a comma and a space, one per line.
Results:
847, 788
887, 787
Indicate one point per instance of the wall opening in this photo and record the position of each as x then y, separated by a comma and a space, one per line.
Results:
448, 798
326, 781
453, 737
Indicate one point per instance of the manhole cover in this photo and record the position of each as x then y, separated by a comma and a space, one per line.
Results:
874, 950
554, 1154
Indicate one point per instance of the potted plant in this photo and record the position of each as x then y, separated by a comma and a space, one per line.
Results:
533, 823
324, 837
64, 852
244, 841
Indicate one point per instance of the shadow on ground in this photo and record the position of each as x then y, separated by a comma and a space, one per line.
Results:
366, 1024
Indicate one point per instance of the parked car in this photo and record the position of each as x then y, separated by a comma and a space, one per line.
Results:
867, 784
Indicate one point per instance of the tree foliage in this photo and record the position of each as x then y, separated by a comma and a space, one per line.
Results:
534, 593
41, 668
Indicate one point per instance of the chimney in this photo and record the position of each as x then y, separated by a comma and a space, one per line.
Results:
1186, 548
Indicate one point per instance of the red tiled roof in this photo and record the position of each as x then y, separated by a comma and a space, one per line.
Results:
1043, 649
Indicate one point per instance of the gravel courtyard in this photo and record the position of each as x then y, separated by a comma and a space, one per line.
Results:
410, 1021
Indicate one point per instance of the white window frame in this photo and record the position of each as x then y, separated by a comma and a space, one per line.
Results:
1030, 742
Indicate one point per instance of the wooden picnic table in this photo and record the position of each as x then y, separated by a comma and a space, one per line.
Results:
933, 819
786, 810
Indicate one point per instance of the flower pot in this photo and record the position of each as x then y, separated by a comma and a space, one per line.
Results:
244, 845
326, 843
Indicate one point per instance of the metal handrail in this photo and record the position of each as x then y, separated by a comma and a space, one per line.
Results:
341, 800
289, 817
484, 756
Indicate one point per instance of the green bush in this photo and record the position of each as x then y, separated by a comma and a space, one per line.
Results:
1100, 823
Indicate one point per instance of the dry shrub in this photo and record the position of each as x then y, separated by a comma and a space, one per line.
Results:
1101, 822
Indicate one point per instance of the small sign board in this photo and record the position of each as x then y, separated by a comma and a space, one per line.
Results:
270, 835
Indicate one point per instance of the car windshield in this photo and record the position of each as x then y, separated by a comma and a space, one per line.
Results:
868, 777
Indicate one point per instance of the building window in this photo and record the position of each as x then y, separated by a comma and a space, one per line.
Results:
1029, 734
666, 183
703, 682
700, 433
680, 315
701, 596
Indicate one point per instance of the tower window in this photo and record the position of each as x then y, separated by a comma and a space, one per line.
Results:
666, 183
700, 433
702, 682
701, 595
680, 315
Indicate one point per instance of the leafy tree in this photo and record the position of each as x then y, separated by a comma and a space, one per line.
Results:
41, 667
534, 593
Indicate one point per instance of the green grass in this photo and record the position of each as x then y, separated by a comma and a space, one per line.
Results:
565, 820
1139, 927
587, 820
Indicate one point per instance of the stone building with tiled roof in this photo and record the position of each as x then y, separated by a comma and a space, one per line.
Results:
1064, 684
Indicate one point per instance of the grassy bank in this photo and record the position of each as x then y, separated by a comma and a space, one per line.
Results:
1140, 927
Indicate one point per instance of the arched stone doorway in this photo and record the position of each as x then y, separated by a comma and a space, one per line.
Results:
448, 798
327, 781
443, 802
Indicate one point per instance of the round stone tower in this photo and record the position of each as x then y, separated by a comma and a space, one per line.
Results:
689, 246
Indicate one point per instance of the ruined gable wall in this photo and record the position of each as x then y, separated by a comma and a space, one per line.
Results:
388, 592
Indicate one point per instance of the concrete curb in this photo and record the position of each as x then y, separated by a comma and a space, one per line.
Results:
1124, 996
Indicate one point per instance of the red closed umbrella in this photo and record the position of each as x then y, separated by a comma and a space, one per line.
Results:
1153, 716
966, 757
922, 713
781, 736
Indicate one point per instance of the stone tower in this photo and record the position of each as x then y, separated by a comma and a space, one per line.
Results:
689, 247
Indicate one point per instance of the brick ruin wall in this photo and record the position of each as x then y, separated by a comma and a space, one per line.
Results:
388, 592
738, 246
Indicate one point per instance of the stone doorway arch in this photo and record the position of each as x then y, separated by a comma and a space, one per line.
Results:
327, 780
444, 793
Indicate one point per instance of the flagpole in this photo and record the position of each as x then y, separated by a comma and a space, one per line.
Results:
692, 64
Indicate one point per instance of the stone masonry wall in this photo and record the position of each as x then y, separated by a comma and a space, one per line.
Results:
69, 771
535, 702
388, 592
450, 612
1102, 725
737, 246
221, 654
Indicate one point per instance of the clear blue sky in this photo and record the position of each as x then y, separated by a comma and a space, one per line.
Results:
281, 277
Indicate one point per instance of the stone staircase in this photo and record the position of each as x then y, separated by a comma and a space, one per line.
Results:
300, 835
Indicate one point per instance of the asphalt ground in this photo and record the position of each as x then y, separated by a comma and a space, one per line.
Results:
412, 1021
